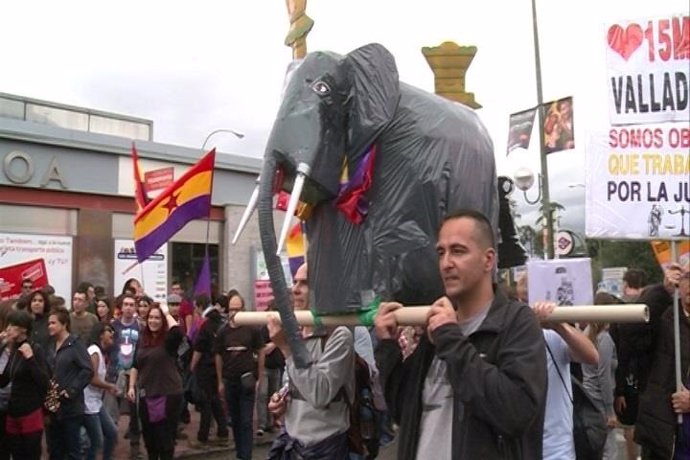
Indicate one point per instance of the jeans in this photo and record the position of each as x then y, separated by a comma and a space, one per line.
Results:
63, 438
102, 434
268, 385
240, 402
211, 407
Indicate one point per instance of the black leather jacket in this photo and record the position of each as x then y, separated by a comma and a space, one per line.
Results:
656, 426
498, 373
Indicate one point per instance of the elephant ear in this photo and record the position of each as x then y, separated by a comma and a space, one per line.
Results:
374, 97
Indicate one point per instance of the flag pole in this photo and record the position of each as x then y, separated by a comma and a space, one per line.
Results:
676, 330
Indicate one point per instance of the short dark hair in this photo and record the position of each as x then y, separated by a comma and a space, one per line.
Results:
20, 318
84, 286
62, 316
635, 278
484, 232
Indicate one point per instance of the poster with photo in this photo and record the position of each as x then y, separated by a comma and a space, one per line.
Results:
44, 259
563, 281
152, 273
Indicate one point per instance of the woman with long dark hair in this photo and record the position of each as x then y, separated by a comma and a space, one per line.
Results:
27, 372
155, 370
104, 310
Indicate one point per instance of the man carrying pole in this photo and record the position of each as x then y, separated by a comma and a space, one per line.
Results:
482, 352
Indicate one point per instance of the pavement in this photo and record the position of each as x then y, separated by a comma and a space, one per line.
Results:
183, 449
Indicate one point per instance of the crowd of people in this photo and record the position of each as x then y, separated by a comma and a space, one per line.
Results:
488, 376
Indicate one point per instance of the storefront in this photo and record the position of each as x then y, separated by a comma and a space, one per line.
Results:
67, 207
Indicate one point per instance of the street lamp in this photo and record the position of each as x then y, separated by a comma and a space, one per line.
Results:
524, 180
237, 134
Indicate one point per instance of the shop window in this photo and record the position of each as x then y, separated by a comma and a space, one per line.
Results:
187, 260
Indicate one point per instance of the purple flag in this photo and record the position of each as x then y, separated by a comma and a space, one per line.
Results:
203, 281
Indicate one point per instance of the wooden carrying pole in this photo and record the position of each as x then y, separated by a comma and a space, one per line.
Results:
416, 316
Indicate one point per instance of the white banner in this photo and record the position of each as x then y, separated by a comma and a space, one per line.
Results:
638, 183
648, 65
52, 252
152, 273
563, 281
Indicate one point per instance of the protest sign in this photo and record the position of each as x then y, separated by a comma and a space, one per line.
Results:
638, 183
152, 273
648, 65
562, 281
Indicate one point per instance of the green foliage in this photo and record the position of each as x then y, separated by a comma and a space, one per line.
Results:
624, 253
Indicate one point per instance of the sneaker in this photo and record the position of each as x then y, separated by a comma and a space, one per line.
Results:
259, 433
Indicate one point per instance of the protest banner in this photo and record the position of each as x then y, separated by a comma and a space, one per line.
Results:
638, 183
45, 259
662, 251
648, 63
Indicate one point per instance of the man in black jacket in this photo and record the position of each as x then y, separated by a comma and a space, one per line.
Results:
475, 386
657, 430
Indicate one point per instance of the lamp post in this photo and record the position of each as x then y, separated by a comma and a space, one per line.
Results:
237, 134
544, 182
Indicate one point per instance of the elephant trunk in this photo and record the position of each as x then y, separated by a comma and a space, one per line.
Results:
301, 356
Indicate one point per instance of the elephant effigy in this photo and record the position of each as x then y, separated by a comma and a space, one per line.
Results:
380, 164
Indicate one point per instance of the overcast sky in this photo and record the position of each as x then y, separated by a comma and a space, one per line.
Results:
193, 67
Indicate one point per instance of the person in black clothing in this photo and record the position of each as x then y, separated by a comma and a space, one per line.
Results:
204, 369
661, 403
72, 371
155, 370
39, 308
273, 377
27, 372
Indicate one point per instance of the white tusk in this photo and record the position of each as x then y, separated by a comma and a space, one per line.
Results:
248, 211
303, 171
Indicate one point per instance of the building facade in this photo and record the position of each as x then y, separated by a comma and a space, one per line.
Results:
67, 207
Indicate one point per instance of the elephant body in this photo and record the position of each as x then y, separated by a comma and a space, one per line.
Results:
434, 156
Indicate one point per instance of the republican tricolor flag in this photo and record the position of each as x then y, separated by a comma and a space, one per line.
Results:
186, 199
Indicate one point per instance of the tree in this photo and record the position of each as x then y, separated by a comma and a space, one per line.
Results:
623, 253
555, 207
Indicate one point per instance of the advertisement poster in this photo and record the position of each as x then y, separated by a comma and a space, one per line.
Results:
563, 281
520, 126
152, 273
638, 183
648, 70
559, 127
44, 259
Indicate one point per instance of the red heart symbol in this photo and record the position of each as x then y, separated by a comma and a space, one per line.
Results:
625, 42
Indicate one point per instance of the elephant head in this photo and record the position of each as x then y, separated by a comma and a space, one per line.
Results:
333, 107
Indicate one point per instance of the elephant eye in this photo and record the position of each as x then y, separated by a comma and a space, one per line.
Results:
321, 88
